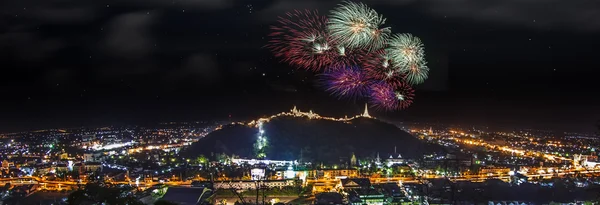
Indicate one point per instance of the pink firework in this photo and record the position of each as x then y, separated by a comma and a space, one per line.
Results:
349, 82
344, 58
301, 39
378, 66
388, 97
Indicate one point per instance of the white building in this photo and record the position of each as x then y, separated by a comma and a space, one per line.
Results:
245, 185
261, 161
93, 157
393, 161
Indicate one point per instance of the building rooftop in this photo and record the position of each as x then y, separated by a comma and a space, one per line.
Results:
329, 198
183, 196
356, 183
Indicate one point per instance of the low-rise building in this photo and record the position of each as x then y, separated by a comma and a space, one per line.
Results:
252, 184
395, 160
61, 168
87, 167
365, 196
355, 183
43, 169
93, 157
329, 198
333, 173
493, 170
7, 165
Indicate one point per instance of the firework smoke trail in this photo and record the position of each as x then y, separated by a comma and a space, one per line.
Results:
349, 82
385, 96
301, 39
355, 25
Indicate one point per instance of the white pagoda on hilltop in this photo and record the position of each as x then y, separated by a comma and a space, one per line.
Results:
366, 113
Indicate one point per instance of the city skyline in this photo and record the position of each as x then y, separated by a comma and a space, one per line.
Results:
177, 157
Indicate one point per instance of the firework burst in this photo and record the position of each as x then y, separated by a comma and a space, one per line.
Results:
378, 65
301, 39
405, 49
346, 57
388, 97
415, 73
355, 25
359, 57
349, 82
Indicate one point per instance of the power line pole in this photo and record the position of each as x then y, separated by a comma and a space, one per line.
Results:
264, 195
257, 183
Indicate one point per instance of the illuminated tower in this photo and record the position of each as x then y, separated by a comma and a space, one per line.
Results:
366, 113
353, 160
261, 144
430, 131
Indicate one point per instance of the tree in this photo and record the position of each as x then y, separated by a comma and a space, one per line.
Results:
102, 194
260, 147
202, 160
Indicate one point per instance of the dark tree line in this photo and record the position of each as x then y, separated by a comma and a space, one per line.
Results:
96, 193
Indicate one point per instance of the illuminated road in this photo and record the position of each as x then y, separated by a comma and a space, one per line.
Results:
323, 182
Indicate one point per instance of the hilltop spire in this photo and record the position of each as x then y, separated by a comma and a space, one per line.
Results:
366, 113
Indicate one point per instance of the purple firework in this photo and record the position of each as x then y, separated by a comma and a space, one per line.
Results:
387, 96
349, 82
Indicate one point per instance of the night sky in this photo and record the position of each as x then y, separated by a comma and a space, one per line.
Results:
515, 63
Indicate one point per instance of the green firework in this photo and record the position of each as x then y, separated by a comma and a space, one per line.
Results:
405, 49
416, 72
355, 25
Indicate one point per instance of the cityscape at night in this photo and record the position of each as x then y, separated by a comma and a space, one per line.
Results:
473, 165
299, 102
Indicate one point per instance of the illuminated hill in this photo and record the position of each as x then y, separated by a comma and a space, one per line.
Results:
320, 139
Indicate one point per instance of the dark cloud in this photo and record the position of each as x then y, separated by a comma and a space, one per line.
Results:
202, 67
64, 15
51, 11
28, 46
57, 75
128, 67
186, 4
575, 14
280, 7
85, 11
580, 15
129, 35
283, 87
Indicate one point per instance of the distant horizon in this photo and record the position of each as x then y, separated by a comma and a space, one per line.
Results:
233, 116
